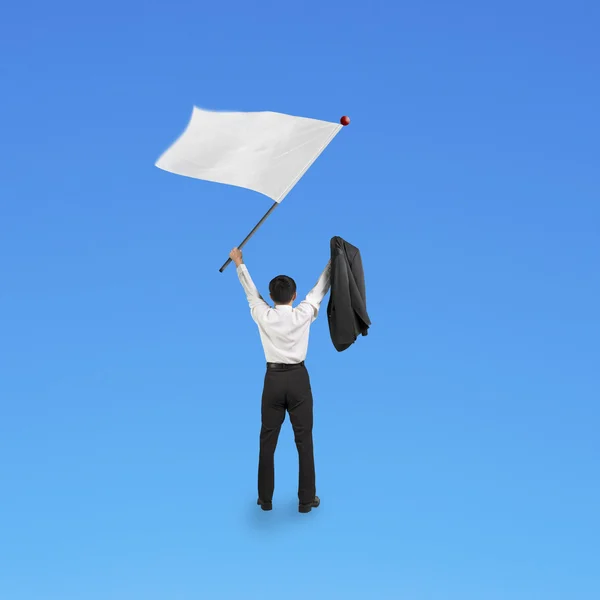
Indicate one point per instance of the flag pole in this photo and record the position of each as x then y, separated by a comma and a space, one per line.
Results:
344, 121
275, 204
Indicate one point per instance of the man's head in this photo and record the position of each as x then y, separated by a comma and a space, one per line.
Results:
282, 290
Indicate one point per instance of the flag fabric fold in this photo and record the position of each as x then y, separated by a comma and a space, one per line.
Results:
267, 152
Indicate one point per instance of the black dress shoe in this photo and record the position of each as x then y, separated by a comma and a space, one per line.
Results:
306, 508
265, 505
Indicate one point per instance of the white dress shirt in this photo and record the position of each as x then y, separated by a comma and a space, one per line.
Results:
284, 330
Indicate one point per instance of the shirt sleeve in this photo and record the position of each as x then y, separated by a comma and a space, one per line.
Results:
258, 306
312, 302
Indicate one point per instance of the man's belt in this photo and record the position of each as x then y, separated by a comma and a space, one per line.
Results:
284, 366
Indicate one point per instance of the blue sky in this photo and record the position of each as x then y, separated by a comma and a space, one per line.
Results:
456, 445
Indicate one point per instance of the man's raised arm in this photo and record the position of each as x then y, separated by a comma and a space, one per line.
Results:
258, 306
314, 298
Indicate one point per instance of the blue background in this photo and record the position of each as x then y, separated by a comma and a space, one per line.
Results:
456, 445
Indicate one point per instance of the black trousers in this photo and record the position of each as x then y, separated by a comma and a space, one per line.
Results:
287, 389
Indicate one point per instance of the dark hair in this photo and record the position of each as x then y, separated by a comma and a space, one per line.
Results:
282, 289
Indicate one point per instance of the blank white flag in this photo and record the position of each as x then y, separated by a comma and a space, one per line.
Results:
267, 152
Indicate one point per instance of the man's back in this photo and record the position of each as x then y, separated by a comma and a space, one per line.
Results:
284, 330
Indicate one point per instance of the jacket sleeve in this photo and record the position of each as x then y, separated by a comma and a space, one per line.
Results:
312, 303
358, 293
340, 311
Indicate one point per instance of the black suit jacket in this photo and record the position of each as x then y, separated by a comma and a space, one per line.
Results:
347, 308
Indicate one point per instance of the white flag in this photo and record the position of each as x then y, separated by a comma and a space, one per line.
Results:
267, 152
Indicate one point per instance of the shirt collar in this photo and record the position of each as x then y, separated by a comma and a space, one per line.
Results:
283, 307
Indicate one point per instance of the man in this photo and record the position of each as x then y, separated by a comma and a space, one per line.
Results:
284, 333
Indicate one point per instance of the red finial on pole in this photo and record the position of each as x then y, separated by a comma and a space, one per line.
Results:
345, 121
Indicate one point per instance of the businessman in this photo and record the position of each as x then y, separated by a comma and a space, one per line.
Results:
284, 332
